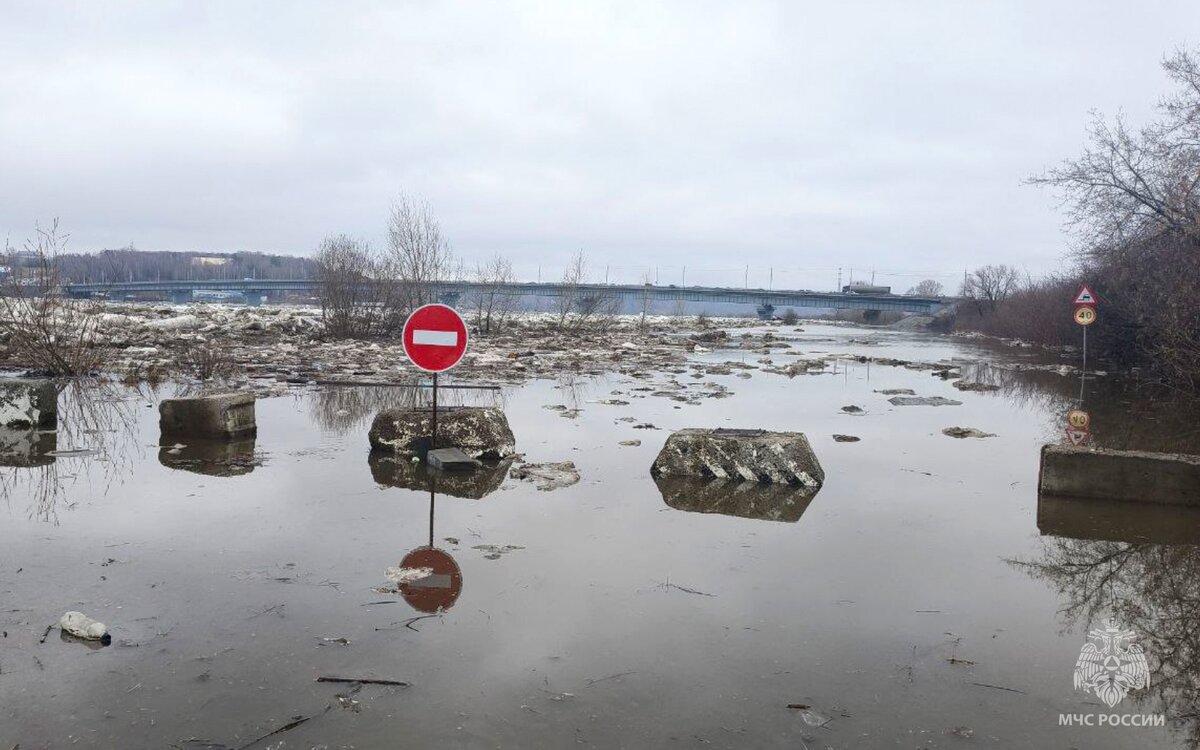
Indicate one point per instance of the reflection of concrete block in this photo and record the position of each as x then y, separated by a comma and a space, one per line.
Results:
26, 403
215, 458
1104, 474
226, 415
26, 447
744, 455
399, 471
1117, 520
480, 432
766, 502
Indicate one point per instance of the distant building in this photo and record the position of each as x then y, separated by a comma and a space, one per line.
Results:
209, 260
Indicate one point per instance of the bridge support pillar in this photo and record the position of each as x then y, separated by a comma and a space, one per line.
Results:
254, 298
870, 316
181, 296
766, 311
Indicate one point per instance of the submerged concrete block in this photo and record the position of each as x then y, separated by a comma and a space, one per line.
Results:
224, 415
1138, 476
744, 455
28, 404
480, 432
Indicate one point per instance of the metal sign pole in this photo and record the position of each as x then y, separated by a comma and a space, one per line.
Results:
433, 437
1083, 372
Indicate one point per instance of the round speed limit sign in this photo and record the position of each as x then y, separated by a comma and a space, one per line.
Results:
1078, 419
1085, 315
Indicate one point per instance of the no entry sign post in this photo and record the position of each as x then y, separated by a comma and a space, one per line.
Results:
435, 340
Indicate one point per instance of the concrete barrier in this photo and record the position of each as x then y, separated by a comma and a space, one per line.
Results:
224, 415
28, 404
480, 432
1137, 476
742, 455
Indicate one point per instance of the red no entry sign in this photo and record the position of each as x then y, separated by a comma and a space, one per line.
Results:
435, 337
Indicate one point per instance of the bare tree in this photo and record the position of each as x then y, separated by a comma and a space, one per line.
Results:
494, 299
356, 293
43, 330
927, 288
419, 256
990, 285
573, 276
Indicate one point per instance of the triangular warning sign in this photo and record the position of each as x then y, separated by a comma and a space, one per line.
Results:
1085, 296
1077, 437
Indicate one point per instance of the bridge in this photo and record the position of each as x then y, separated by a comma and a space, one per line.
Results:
449, 292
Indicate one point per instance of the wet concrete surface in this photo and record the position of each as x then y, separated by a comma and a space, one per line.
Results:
912, 602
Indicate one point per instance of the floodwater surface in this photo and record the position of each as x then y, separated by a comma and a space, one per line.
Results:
921, 598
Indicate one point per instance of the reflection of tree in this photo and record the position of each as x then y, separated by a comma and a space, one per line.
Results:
344, 408
1138, 416
1152, 589
94, 417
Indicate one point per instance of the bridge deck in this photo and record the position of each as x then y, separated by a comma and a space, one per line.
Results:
761, 297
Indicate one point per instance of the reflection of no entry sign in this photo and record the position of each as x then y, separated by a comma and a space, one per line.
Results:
435, 337
436, 591
1085, 315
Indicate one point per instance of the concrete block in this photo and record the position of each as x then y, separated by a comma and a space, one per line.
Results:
391, 470
764, 502
28, 404
743, 455
480, 432
224, 415
451, 459
1137, 476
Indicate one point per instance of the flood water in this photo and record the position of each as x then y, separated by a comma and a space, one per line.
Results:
920, 599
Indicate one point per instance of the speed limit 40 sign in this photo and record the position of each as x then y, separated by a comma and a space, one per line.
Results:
1085, 315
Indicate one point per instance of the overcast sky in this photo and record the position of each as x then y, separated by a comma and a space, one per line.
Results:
802, 136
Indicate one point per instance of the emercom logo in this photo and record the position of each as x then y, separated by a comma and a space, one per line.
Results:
1110, 665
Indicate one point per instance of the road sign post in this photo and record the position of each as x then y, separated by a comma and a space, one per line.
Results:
435, 340
1085, 315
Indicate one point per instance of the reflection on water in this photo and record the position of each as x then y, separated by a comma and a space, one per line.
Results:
27, 448
1152, 589
95, 442
402, 472
1117, 521
343, 408
767, 502
216, 458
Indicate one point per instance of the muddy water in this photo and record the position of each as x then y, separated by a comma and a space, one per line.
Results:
913, 602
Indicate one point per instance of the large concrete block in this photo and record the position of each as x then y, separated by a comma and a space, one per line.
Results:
480, 432
27, 403
1138, 476
224, 415
765, 502
745, 455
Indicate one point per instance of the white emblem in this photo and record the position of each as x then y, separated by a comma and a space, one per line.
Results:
1111, 665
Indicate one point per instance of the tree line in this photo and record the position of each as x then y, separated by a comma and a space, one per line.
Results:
1133, 212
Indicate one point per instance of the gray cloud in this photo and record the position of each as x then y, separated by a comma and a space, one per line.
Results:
887, 136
